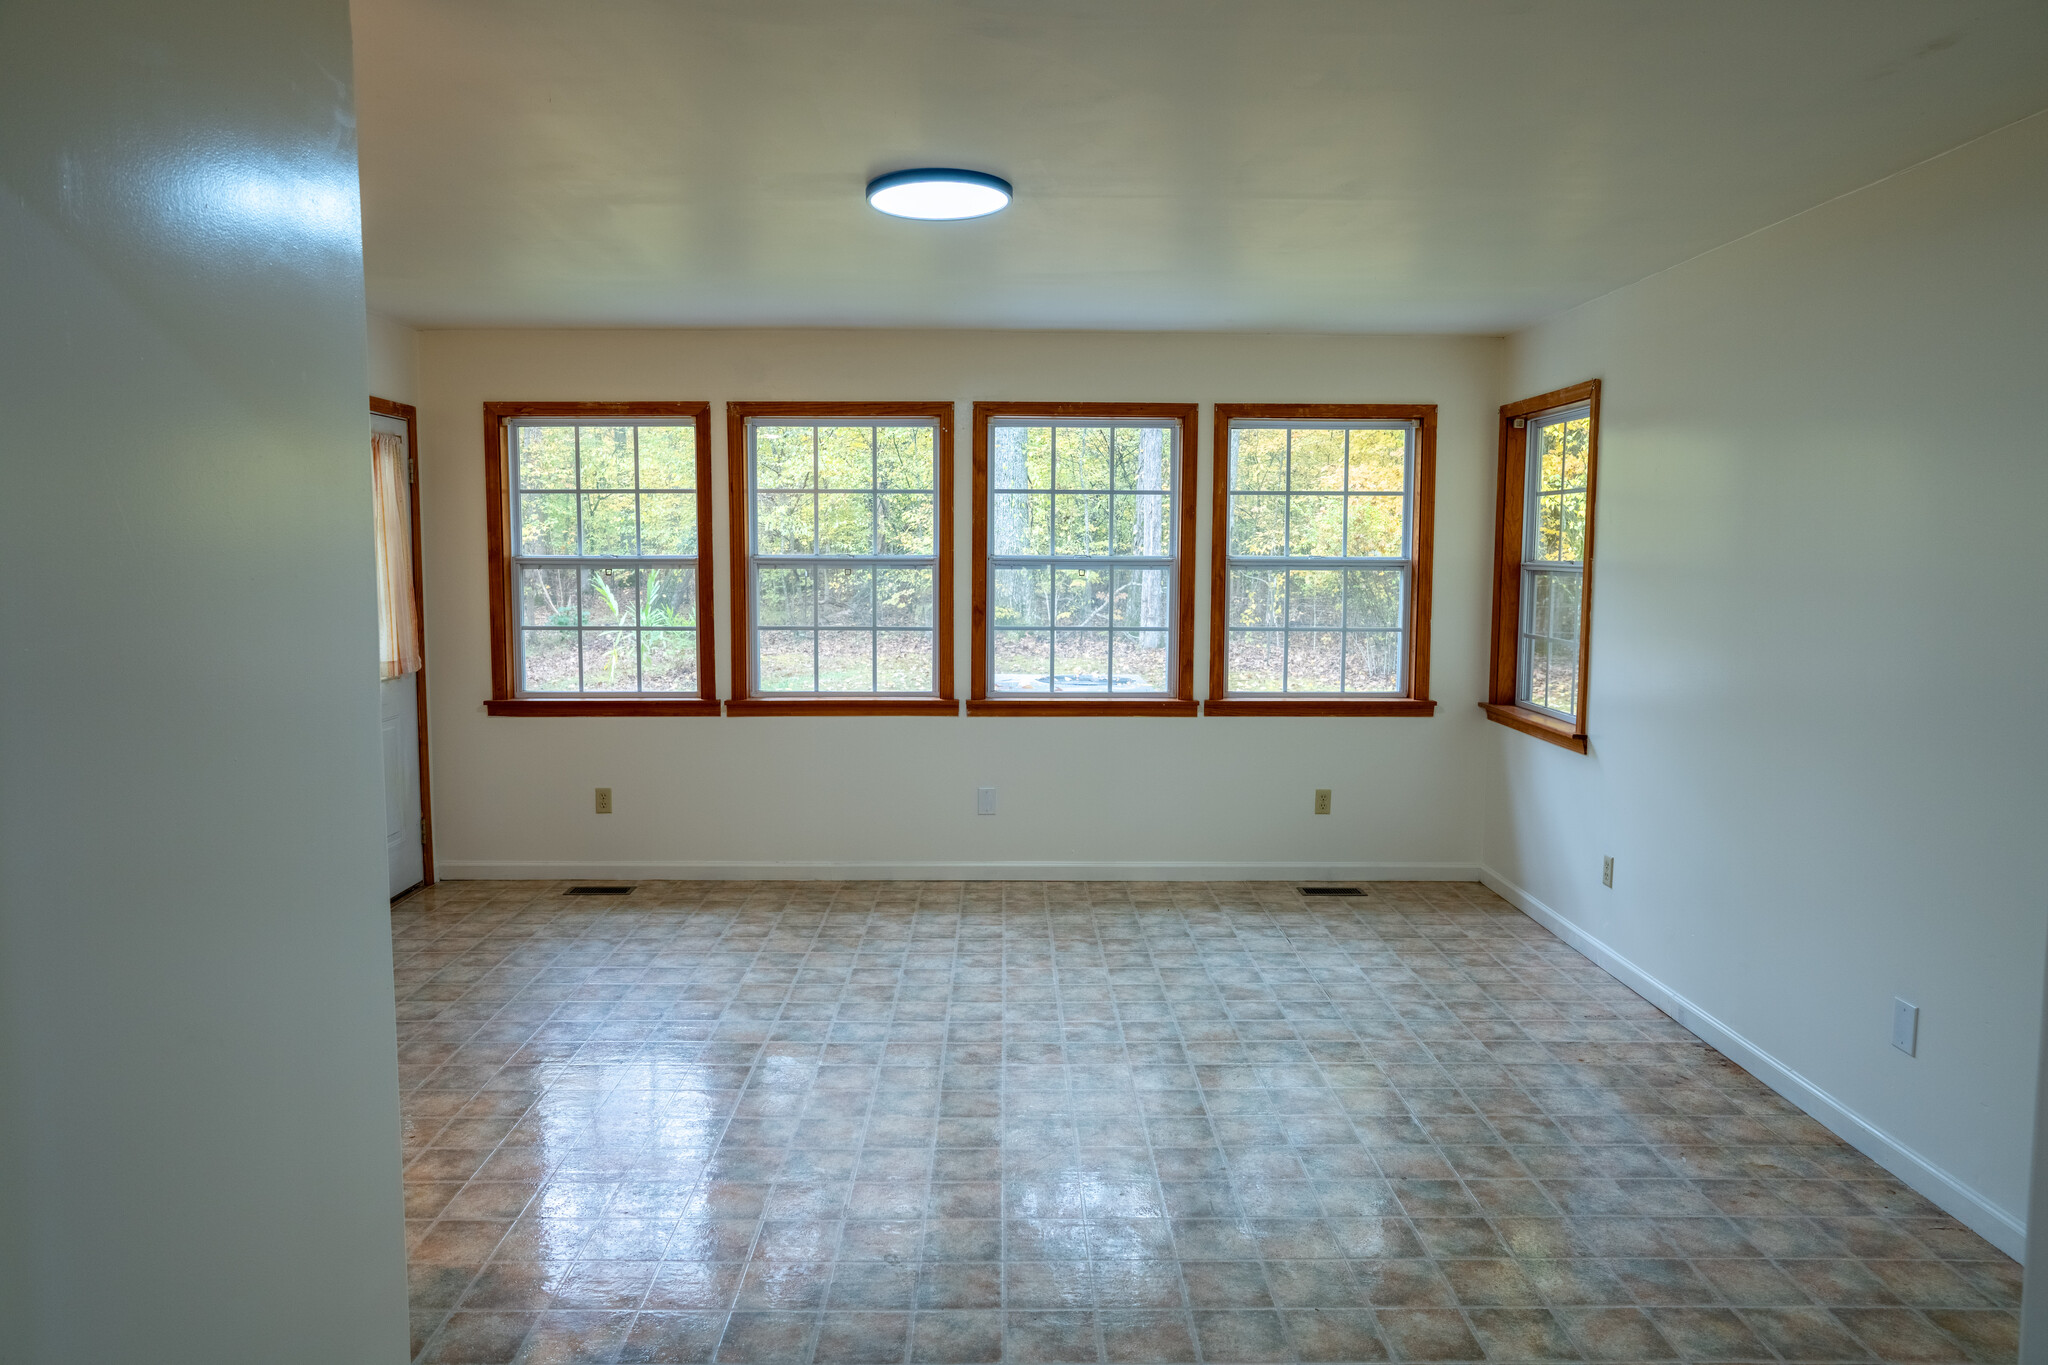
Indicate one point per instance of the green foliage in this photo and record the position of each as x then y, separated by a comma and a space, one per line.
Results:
1258, 460
668, 457
1316, 461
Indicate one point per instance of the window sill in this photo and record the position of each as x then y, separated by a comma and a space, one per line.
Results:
1079, 706
1320, 706
842, 706
1548, 728
601, 706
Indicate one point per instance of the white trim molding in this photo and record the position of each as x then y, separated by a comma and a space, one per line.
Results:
1997, 1225
457, 870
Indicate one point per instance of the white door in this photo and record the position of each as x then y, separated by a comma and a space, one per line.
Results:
402, 781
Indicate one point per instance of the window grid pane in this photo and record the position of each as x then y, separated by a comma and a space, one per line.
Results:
1333, 499
622, 623
1082, 552
848, 605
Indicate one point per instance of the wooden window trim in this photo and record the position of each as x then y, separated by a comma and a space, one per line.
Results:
1502, 683
1183, 703
410, 415
504, 616
745, 702
1417, 702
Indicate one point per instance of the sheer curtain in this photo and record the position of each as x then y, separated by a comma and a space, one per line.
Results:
398, 627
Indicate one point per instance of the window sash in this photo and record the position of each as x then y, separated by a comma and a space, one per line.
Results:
815, 559
1053, 562
1535, 641
519, 561
1533, 491
1286, 560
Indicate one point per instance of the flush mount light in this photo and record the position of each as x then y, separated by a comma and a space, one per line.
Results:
936, 192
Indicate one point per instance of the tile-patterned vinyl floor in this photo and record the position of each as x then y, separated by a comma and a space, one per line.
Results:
944, 1122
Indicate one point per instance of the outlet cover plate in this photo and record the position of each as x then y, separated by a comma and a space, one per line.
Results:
1905, 1026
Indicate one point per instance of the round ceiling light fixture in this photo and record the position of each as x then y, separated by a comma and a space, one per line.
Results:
938, 193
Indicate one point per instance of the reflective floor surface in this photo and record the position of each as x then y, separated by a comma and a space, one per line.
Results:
946, 1122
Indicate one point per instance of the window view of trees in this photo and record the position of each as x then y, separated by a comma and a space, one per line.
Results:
605, 525
1554, 554
1318, 558
844, 553
1081, 557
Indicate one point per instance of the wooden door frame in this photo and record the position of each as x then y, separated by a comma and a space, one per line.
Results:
408, 414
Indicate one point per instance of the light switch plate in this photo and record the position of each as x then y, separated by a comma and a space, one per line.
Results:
984, 800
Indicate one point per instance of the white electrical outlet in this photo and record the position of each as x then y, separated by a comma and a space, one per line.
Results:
1322, 800
1905, 1026
1607, 872
984, 800
604, 800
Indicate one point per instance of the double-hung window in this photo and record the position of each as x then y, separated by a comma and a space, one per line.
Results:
1320, 598
842, 557
1082, 531
1543, 553
598, 602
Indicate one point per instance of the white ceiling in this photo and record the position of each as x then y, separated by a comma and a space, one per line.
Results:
1329, 165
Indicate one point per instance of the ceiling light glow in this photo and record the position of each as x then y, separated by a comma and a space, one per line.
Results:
936, 193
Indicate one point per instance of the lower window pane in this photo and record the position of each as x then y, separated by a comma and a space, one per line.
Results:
1023, 661
1255, 660
784, 596
1144, 597
903, 597
1258, 597
903, 660
1023, 595
846, 596
547, 596
1372, 661
668, 661
1315, 597
1080, 597
787, 661
1373, 598
668, 596
846, 661
611, 597
611, 661
1535, 671
1140, 661
1080, 660
1563, 681
1314, 658
550, 661
1564, 605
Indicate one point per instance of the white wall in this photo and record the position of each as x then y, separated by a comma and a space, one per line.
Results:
894, 796
1819, 638
394, 357
198, 1081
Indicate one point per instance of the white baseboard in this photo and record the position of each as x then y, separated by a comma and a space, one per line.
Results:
454, 870
1996, 1225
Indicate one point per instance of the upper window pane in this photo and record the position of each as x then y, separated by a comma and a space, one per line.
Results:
1309, 491
612, 491
1556, 473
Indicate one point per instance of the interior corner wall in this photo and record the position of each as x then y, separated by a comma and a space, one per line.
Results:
199, 1141
394, 355
894, 796
1819, 633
